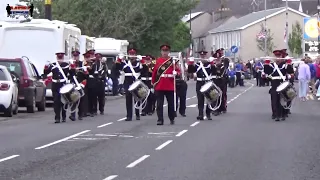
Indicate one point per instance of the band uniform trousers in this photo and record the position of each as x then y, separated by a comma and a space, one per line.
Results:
92, 95
221, 83
115, 86
129, 105
201, 99
57, 104
160, 101
181, 90
277, 109
101, 95
82, 106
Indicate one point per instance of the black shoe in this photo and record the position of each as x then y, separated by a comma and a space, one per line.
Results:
91, 115
277, 119
216, 113
143, 114
80, 118
138, 118
57, 121
283, 118
72, 118
273, 117
209, 117
64, 119
183, 115
128, 119
160, 123
95, 113
287, 115
200, 118
289, 112
224, 111
172, 122
101, 112
150, 113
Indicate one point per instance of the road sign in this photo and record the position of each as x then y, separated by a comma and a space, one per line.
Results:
234, 49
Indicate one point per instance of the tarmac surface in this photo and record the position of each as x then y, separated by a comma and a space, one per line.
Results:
243, 144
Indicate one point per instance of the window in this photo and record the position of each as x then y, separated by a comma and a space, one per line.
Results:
3, 76
12, 67
66, 47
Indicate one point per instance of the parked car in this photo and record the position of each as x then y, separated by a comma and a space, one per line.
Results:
8, 92
31, 87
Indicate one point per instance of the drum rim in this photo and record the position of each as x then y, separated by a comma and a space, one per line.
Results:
136, 82
64, 87
286, 82
201, 89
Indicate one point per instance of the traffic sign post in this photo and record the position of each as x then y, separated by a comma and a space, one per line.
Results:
234, 50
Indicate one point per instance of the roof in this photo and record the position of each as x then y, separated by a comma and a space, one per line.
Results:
253, 18
187, 18
211, 27
244, 7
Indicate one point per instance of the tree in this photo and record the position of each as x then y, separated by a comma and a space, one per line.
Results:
144, 23
181, 37
295, 40
261, 41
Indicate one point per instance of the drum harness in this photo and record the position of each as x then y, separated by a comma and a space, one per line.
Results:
218, 102
282, 102
66, 106
143, 104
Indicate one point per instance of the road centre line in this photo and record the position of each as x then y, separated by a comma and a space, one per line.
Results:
103, 125
181, 133
136, 162
194, 124
62, 140
111, 177
122, 119
8, 158
163, 145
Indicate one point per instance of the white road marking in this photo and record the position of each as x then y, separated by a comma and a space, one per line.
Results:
103, 125
90, 139
61, 140
122, 119
191, 98
240, 94
194, 124
192, 106
8, 158
111, 177
181, 133
164, 145
133, 164
162, 133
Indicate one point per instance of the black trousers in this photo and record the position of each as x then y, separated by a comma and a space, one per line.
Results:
57, 104
129, 105
222, 84
92, 100
181, 91
150, 103
232, 82
115, 86
277, 110
239, 81
101, 95
160, 101
201, 100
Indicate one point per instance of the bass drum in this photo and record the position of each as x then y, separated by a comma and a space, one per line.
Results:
210, 92
69, 94
139, 90
286, 91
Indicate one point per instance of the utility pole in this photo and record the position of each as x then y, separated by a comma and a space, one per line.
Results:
190, 48
287, 37
265, 30
47, 10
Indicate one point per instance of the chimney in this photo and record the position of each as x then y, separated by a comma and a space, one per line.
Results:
223, 12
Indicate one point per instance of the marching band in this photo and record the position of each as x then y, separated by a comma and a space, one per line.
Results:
80, 85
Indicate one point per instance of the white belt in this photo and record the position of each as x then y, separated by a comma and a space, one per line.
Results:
276, 77
146, 79
238, 71
167, 75
213, 77
91, 76
58, 80
130, 74
203, 79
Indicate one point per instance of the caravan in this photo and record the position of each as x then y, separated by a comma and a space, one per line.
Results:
39, 40
86, 43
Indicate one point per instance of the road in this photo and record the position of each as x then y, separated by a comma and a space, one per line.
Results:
244, 144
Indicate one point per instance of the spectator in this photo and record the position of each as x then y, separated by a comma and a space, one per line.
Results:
115, 74
317, 65
313, 75
303, 77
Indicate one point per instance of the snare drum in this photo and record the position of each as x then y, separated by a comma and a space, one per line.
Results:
69, 94
210, 91
139, 90
286, 91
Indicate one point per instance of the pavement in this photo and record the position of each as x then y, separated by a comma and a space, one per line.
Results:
243, 144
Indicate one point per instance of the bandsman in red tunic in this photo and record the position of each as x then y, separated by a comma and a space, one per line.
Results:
163, 81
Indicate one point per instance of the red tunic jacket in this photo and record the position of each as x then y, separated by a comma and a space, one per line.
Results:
165, 83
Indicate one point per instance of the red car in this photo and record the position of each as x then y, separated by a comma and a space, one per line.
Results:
31, 88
